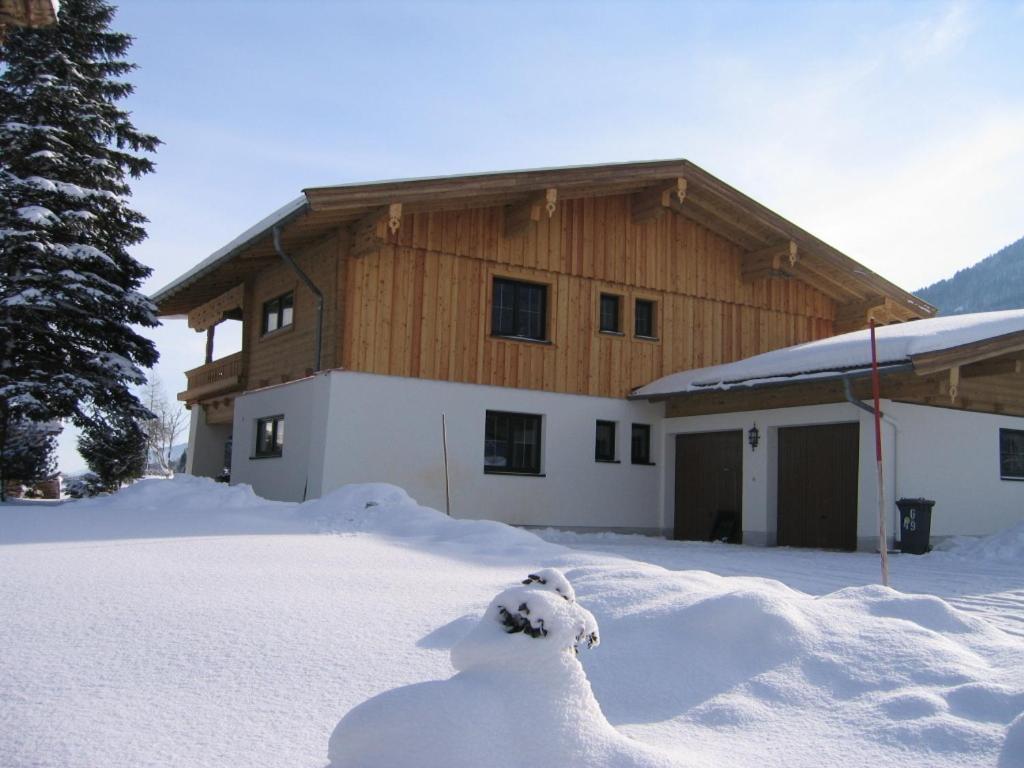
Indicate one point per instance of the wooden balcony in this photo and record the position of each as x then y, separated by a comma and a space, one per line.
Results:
213, 379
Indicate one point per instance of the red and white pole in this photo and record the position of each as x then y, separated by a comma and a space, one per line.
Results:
883, 546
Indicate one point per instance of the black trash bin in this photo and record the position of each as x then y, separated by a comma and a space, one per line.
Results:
915, 525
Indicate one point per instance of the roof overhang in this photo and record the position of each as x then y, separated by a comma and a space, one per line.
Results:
758, 231
984, 375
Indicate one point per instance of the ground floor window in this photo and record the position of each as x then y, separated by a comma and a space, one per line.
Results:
640, 448
512, 443
269, 436
604, 445
1011, 454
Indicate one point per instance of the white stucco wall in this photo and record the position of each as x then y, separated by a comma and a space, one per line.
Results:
953, 457
369, 428
205, 452
296, 474
760, 467
388, 428
949, 456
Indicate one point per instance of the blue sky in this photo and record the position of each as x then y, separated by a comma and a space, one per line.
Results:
892, 130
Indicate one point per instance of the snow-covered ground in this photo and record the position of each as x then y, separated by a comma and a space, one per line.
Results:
191, 624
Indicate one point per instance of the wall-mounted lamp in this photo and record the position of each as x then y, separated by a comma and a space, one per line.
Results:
753, 437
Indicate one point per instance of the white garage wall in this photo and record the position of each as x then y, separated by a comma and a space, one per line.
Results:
953, 457
388, 428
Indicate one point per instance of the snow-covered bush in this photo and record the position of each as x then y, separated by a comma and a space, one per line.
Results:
519, 687
84, 486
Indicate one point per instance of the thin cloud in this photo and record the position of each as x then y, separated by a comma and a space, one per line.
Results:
937, 36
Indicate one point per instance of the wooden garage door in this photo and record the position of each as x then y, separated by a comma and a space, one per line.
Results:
818, 486
709, 480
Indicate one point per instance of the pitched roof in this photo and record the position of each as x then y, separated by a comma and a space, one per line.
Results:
708, 201
925, 345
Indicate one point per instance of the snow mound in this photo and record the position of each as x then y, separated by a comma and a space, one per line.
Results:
1004, 546
520, 697
152, 508
387, 510
750, 655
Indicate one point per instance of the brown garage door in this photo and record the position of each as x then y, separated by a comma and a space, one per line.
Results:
818, 486
709, 483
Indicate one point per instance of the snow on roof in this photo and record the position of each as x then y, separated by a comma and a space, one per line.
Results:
897, 344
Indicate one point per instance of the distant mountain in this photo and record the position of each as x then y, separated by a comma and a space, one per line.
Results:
993, 283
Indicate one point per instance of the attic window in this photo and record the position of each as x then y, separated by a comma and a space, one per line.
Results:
1011, 454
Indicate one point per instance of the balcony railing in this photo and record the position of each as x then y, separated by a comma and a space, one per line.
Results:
216, 378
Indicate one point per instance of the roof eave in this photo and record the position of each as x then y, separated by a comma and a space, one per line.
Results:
280, 217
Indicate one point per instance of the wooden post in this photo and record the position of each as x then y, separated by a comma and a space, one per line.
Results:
447, 482
883, 546
209, 344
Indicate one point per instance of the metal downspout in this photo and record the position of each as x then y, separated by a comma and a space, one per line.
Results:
318, 328
895, 447
853, 400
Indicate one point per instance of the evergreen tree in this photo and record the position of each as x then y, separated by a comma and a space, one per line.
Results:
68, 286
115, 449
27, 451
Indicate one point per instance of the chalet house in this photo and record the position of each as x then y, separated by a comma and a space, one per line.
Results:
498, 344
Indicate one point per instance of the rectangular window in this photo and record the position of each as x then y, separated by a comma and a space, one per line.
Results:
269, 436
512, 443
640, 449
644, 325
604, 445
519, 310
1011, 454
277, 313
610, 313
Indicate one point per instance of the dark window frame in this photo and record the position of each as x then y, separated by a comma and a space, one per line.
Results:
507, 328
277, 306
651, 322
607, 457
640, 452
506, 422
1011, 441
276, 444
617, 299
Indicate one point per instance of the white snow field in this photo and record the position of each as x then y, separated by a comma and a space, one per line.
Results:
185, 623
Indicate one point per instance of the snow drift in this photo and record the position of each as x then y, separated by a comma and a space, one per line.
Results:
520, 697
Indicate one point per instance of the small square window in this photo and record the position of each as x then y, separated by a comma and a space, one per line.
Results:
1011, 454
519, 309
278, 313
640, 444
644, 325
269, 436
604, 444
610, 313
512, 443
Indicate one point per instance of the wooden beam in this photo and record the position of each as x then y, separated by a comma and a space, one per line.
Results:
210, 313
365, 237
998, 367
854, 315
651, 203
777, 260
965, 354
520, 216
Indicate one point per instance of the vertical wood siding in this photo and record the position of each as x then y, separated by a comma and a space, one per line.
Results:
421, 305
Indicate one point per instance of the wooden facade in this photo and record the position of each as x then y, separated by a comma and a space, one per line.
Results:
407, 271
421, 305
